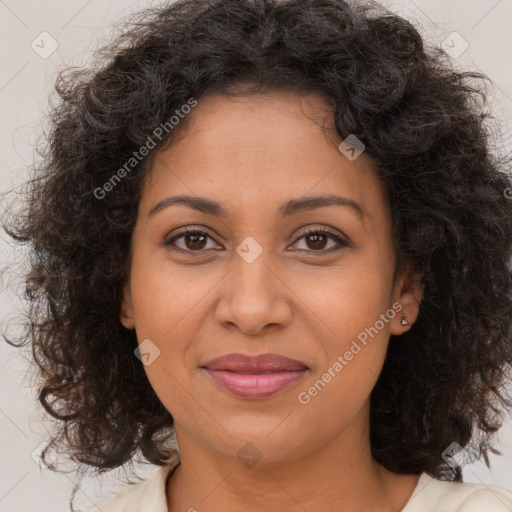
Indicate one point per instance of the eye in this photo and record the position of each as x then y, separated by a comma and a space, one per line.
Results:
317, 239
193, 240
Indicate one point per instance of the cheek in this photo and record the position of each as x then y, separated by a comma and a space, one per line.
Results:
165, 296
166, 306
347, 299
354, 362
353, 320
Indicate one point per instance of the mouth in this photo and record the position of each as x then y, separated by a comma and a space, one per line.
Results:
255, 377
256, 385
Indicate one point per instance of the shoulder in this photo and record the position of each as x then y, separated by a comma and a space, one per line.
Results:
149, 494
433, 495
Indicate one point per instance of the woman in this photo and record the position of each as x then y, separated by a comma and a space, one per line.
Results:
273, 230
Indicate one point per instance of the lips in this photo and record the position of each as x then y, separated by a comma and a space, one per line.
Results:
254, 364
255, 376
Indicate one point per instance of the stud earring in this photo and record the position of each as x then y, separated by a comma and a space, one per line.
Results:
404, 321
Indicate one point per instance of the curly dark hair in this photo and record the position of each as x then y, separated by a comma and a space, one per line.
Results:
422, 121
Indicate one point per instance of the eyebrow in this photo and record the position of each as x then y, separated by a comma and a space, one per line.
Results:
289, 208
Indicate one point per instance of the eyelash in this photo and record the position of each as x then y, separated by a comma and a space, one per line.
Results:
310, 231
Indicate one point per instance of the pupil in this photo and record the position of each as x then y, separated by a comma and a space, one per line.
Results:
194, 238
316, 243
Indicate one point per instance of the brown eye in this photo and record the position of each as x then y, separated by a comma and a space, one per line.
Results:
316, 240
195, 240
191, 241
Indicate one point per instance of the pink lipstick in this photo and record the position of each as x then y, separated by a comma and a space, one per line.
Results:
255, 376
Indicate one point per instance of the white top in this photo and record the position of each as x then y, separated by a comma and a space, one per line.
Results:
430, 495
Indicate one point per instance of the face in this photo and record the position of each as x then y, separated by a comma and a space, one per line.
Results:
264, 269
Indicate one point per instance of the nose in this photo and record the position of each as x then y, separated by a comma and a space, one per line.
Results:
254, 297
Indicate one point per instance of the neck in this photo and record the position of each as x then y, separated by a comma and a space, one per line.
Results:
341, 475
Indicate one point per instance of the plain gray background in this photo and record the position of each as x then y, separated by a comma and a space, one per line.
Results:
478, 33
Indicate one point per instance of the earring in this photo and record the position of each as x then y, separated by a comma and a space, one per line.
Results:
404, 321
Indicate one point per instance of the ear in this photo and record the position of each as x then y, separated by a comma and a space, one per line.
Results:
408, 292
126, 313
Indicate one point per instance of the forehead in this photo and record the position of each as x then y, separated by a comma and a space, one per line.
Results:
262, 148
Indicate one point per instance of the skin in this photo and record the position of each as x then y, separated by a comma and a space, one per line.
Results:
252, 154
